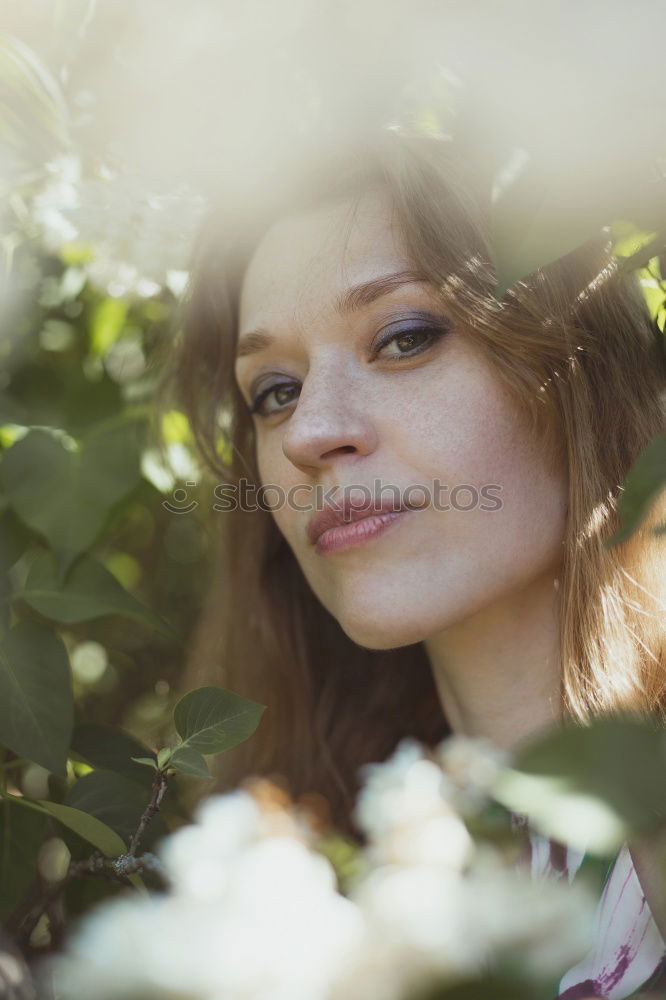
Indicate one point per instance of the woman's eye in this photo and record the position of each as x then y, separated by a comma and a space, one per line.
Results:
280, 389
408, 343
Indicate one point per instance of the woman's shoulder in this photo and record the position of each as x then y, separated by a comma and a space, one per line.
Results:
629, 952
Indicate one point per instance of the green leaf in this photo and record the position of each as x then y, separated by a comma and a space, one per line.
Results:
21, 837
148, 761
185, 760
14, 538
36, 704
11, 412
88, 827
535, 221
107, 322
548, 200
593, 786
111, 749
88, 591
117, 802
66, 495
163, 757
211, 719
645, 481
91, 829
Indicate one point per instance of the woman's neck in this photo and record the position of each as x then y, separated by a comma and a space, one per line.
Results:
498, 672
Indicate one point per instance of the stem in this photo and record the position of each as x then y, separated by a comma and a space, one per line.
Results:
114, 869
160, 783
117, 868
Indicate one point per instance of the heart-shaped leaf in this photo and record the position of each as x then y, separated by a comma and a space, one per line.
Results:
211, 719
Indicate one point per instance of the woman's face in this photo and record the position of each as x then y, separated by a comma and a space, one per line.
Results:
381, 390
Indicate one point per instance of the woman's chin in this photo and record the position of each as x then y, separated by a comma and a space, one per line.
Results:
381, 635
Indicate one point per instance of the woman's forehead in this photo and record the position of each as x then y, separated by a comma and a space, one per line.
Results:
316, 255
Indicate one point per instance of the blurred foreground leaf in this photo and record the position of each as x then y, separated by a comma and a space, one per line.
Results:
645, 481
66, 495
34, 119
21, 836
88, 591
591, 787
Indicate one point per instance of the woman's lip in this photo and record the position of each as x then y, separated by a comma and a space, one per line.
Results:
342, 536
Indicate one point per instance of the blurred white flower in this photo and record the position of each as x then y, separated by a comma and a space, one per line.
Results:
55, 200
198, 856
405, 809
472, 765
253, 911
138, 238
89, 662
548, 923
417, 933
125, 360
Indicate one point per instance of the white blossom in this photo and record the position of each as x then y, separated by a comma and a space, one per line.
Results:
253, 911
140, 240
472, 765
548, 923
417, 932
405, 809
53, 204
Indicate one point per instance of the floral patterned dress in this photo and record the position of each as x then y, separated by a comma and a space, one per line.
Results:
629, 954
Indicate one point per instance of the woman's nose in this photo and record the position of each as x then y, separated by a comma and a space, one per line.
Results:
330, 417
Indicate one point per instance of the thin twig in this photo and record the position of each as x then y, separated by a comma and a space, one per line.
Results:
160, 783
116, 869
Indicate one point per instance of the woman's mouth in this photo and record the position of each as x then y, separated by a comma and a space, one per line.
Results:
342, 536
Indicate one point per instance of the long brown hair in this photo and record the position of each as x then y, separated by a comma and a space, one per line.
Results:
576, 348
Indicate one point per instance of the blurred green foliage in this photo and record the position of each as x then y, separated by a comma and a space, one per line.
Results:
100, 584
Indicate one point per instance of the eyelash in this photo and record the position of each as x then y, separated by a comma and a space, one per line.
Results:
434, 335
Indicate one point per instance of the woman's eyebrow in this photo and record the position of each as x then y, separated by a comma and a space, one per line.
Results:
352, 299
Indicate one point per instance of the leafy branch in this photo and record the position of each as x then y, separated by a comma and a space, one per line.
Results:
210, 719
